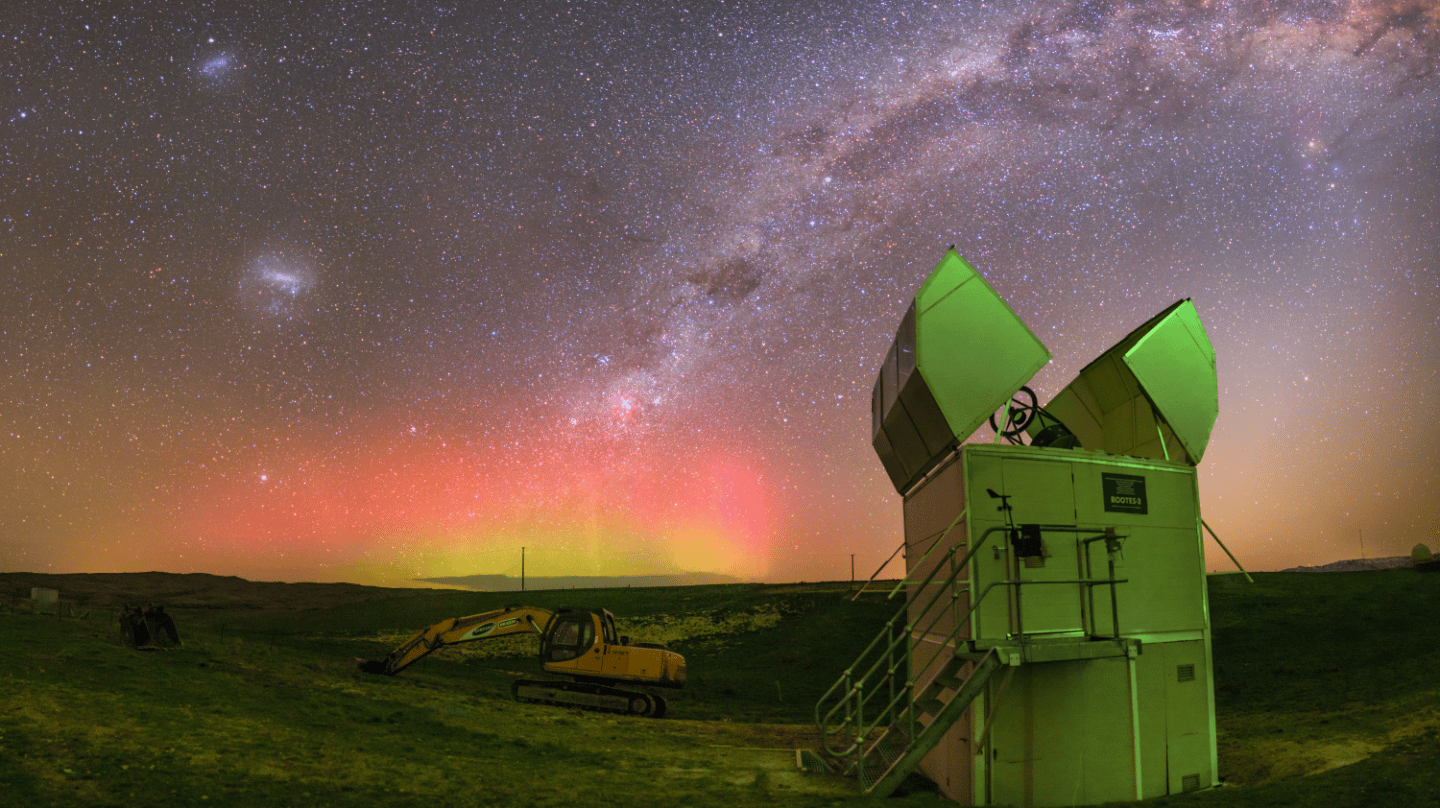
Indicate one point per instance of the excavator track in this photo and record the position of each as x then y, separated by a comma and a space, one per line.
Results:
589, 696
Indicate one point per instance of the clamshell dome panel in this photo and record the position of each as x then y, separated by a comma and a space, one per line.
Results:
1158, 383
958, 356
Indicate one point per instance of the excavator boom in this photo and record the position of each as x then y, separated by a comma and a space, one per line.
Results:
483, 626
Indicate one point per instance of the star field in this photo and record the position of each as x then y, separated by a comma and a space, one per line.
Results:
370, 292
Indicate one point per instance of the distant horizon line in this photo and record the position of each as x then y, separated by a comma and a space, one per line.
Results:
506, 582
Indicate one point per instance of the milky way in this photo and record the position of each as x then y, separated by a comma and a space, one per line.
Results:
373, 292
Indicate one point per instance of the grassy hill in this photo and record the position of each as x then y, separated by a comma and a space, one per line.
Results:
263, 707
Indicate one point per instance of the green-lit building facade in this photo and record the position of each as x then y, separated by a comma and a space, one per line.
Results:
1061, 573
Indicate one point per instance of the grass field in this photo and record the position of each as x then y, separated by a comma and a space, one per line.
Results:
262, 707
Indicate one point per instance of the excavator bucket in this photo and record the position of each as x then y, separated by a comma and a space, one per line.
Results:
376, 666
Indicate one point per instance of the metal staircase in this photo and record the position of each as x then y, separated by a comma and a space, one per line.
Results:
897, 752
878, 722
881, 723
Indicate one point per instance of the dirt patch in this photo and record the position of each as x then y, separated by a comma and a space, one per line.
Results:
1343, 753
1262, 760
1270, 760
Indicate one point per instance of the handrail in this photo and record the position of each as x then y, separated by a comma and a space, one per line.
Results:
903, 610
940, 645
852, 683
933, 545
889, 624
878, 569
859, 692
861, 730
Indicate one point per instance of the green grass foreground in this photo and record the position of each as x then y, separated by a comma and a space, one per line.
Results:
1326, 689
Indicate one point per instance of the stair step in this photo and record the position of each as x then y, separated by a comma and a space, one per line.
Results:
947, 682
943, 714
932, 691
936, 690
922, 718
880, 770
884, 753
930, 706
889, 748
883, 760
949, 675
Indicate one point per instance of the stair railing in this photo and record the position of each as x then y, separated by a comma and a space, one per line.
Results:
892, 660
892, 657
921, 562
877, 571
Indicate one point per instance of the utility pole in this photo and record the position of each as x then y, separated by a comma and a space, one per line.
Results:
852, 572
522, 569
1362, 544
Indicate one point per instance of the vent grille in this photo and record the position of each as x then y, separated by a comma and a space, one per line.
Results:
1185, 673
1190, 782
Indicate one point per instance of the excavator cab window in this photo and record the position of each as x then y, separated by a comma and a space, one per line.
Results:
608, 627
568, 633
572, 637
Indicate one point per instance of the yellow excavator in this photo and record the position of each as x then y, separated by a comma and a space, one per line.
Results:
579, 643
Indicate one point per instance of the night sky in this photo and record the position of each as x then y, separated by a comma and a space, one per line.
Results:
374, 291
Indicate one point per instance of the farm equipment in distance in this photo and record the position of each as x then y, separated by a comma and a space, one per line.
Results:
148, 629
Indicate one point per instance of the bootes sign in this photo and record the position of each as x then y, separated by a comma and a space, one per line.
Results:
1124, 493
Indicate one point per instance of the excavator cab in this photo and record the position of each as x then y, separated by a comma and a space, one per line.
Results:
568, 637
582, 642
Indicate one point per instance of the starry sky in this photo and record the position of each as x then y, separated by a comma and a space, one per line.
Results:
373, 291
